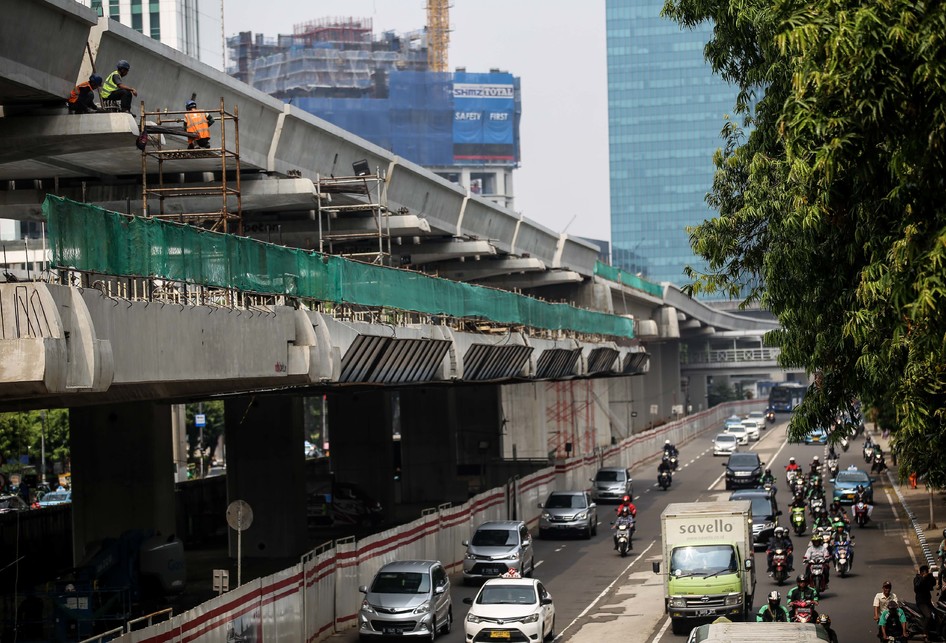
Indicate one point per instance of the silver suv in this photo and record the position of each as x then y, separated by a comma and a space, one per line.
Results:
407, 598
497, 547
612, 483
565, 511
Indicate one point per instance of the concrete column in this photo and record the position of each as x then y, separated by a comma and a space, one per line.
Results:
179, 441
266, 469
123, 472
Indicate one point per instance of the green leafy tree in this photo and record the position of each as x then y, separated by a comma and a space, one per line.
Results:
830, 194
213, 412
23, 434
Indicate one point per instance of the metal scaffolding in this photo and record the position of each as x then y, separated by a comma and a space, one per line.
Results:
354, 218
158, 124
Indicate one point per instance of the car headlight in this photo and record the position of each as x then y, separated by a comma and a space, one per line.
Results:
678, 601
470, 556
513, 555
366, 607
473, 618
546, 515
735, 599
423, 608
531, 618
581, 516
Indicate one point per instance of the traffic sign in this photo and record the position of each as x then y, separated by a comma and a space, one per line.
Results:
200, 420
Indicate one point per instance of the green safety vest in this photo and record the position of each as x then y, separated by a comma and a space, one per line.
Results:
111, 84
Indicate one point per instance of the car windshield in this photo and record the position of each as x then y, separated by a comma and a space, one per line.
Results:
761, 508
725, 437
495, 537
401, 583
744, 460
756, 414
610, 476
856, 477
9, 502
702, 560
507, 595
565, 501
55, 497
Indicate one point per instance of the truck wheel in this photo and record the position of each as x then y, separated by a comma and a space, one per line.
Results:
678, 627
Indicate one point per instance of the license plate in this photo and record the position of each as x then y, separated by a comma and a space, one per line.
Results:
393, 631
706, 612
499, 635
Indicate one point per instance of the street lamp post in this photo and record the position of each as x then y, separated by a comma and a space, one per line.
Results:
42, 452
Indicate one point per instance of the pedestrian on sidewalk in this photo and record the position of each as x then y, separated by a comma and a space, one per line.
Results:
941, 554
913, 479
923, 586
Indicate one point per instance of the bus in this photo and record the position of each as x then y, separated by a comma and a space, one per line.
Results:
786, 396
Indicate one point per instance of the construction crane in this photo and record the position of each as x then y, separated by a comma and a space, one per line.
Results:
438, 34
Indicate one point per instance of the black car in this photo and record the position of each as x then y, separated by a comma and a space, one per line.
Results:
743, 470
765, 513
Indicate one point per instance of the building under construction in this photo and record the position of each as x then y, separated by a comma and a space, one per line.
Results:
464, 126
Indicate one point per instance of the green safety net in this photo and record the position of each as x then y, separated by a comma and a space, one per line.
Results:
632, 281
87, 238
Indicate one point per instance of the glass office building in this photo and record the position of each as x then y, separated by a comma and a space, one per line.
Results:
665, 114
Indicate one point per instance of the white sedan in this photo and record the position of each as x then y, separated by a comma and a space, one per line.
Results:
752, 428
518, 609
738, 430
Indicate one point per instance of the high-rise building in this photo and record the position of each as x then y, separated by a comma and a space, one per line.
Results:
463, 126
666, 109
190, 26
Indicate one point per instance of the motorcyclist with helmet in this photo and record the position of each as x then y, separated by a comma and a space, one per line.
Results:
665, 467
889, 621
767, 477
780, 540
801, 592
860, 495
815, 467
840, 536
825, 621
626, 504
816, 549
836, 513
773, 611
670, 449
624, 517
792, 466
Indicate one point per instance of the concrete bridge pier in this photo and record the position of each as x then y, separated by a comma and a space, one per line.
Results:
266, 469
122, 476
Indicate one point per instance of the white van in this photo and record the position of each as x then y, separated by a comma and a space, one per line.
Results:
755, 632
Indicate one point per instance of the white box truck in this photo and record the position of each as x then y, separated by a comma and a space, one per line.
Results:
707, 560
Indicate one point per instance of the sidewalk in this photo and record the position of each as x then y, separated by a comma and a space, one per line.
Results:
925, 509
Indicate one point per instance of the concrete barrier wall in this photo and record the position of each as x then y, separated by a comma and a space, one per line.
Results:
319, 596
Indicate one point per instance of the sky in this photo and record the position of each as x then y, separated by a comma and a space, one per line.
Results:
556, 47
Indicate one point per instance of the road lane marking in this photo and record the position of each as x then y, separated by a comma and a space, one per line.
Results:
603, 592
663, 630
538, 563
713, 484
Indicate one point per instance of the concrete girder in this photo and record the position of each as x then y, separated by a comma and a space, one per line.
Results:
437, 251
473, 270
535, 279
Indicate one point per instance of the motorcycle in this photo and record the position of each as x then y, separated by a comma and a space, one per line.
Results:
878, 465
868, 451
672, 460
816, 504
790, 476
916, 620
770, 416
802, 611
798, 520
769, 486
625, 531
780, 566
845, 444
842, 558
860, 514
833, 467
664, 479
816, 575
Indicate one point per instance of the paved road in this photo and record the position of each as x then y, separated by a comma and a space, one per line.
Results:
602, 597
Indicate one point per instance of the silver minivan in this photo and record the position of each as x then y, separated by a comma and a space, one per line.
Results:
497, 547
407, 598
612, 484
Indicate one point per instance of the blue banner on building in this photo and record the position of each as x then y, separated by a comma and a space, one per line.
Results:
484, 117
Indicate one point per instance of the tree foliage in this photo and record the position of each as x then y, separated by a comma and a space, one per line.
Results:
23, 434
829, 189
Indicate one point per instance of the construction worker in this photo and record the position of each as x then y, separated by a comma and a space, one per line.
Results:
114, 89
198, 126
82, 98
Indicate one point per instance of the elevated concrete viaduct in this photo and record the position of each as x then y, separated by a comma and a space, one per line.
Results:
463, 398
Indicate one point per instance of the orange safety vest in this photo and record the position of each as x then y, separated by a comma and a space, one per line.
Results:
197, 124
74, 96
